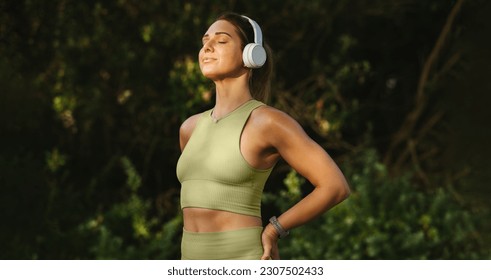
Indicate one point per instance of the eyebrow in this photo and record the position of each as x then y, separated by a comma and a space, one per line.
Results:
217, 33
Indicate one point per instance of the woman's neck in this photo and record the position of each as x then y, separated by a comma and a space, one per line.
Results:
229, 96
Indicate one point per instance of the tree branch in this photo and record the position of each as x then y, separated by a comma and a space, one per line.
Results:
421, 98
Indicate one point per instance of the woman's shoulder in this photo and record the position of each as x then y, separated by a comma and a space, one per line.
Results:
276, 127
190, 122
271, 116
187, 128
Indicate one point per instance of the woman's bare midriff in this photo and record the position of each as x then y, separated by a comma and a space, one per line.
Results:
207, 220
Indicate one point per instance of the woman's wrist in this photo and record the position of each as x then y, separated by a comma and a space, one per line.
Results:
269, 230
282, 233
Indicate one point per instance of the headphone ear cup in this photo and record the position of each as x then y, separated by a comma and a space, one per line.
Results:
254, 55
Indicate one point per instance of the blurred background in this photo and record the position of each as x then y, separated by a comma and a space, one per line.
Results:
92, 94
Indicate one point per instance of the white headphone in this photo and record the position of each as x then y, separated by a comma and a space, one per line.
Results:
254, 55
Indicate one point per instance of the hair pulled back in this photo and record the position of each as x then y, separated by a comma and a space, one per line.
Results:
260, 80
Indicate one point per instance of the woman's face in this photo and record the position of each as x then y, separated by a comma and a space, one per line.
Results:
221, 54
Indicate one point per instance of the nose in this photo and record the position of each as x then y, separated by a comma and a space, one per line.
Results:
207, 47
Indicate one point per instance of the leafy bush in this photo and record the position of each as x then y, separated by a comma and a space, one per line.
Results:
384, 218
125, 231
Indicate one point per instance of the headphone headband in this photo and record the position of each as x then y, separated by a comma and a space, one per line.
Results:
258, 35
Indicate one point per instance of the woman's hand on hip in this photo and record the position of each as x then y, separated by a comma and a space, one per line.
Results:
270, 244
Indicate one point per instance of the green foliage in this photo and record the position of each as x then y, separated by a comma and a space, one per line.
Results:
55, 160
93, 93
384, 218
127, 232
194, 89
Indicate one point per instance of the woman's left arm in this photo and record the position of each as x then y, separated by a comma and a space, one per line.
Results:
313, 163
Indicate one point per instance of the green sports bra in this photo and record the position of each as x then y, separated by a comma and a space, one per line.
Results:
212, 171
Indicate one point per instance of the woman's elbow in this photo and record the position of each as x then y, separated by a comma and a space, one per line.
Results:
343, 191
335, 193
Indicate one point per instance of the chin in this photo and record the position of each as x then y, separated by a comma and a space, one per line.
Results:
207, 72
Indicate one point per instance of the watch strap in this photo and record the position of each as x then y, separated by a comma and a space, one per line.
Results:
279, 229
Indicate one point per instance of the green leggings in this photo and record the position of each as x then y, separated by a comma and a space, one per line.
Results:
240, 244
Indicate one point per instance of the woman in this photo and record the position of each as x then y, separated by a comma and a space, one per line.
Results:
228, 153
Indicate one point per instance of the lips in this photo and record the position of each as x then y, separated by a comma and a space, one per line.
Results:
208, 59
